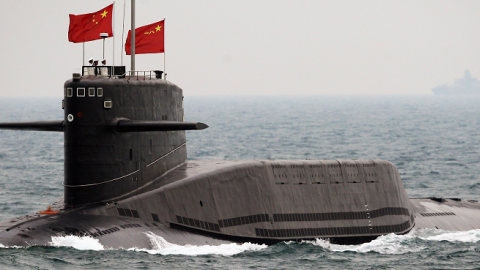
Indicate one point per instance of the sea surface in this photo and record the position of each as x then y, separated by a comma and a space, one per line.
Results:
433, 141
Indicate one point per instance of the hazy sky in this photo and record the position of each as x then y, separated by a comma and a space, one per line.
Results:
251, 47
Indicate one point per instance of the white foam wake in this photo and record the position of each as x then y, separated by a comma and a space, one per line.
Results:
415, 241
161, 246
400, 244
387, 244
472, 236
81, 243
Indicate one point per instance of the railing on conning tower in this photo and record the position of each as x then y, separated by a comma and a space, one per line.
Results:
105, 71
144, 75
119, 72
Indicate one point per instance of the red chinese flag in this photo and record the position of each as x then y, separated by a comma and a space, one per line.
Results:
87, 27
148, 39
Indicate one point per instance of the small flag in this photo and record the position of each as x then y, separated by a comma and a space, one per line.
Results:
148, 39
87, 27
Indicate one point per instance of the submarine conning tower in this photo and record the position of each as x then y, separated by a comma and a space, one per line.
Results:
109, 148
121, 132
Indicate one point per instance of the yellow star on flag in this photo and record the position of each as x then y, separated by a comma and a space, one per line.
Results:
158, 28
104, 14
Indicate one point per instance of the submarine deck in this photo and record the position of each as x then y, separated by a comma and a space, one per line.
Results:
446, 214
184, 171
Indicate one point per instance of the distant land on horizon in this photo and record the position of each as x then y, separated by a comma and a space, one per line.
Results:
465, 86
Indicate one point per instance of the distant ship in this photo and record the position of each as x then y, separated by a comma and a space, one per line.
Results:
465, 86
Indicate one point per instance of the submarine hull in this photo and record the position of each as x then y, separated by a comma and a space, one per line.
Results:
215, 202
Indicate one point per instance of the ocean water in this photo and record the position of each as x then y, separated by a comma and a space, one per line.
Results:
432, 140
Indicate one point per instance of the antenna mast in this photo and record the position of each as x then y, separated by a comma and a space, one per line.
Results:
133, 36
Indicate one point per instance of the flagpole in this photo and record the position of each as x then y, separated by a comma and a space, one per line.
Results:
133, 37
83, 52
113, 33
123, 32
164, 54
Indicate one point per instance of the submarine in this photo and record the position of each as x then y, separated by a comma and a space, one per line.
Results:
128, 181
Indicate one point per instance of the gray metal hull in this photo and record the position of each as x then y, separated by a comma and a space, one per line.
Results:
215, 202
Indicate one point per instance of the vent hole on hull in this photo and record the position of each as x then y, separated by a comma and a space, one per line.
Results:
201, 203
